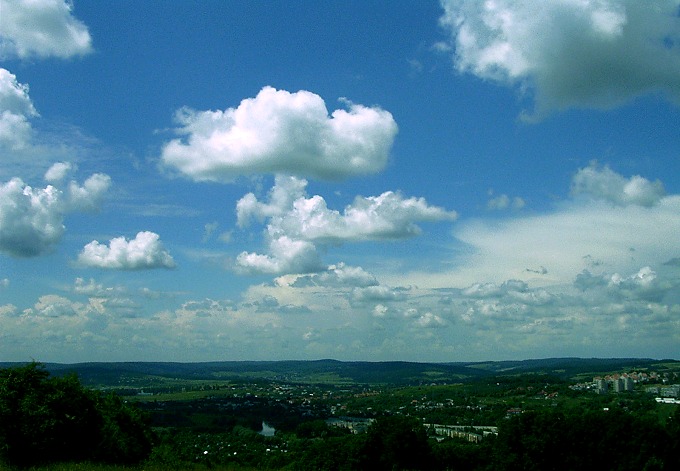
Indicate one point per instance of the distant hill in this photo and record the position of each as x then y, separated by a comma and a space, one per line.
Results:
341, 372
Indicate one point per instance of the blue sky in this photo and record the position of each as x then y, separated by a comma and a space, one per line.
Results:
424, 181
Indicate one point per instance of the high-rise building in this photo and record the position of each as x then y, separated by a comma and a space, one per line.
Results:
629, 384
619, 385
601, 386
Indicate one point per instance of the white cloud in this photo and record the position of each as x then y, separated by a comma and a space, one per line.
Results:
644, 285
52, 305
296, 224
27, 151
551, 248
503, 202
92, 288
208, 230
143, 252
380, 311
282, 196
339, 275
430, 321
566, 241
88, 197
41, 28
58, 171
32, 219
605, 184
281, 132
378, 293
8, 310
572, 53
387, 216
16, 108
286, 255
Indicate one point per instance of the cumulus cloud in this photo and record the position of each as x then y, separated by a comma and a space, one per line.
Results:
290, 211
16, 108
486, 290
52, 305
41, 28
511, 291
88, 197
143, 252
571, 53
8, 310
645, 285
278, 131
282, 196
297, 223
32, 219
58, 171
286, 255
605, 184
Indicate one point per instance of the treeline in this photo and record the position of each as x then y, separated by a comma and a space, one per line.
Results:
46, 420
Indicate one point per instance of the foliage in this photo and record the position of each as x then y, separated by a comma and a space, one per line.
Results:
462, 455
397, 442
51, 419
551, 440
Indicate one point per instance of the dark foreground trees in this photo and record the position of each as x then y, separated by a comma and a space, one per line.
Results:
615, 440
390, 443
50, 419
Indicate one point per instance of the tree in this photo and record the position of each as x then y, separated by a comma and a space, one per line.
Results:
396, 443
51, 419
550, 440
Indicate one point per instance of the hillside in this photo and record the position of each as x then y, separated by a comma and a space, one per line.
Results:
340, 372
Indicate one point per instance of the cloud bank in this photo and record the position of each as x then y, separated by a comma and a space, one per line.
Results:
278, 131
613, 223
569, 53
41, 28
